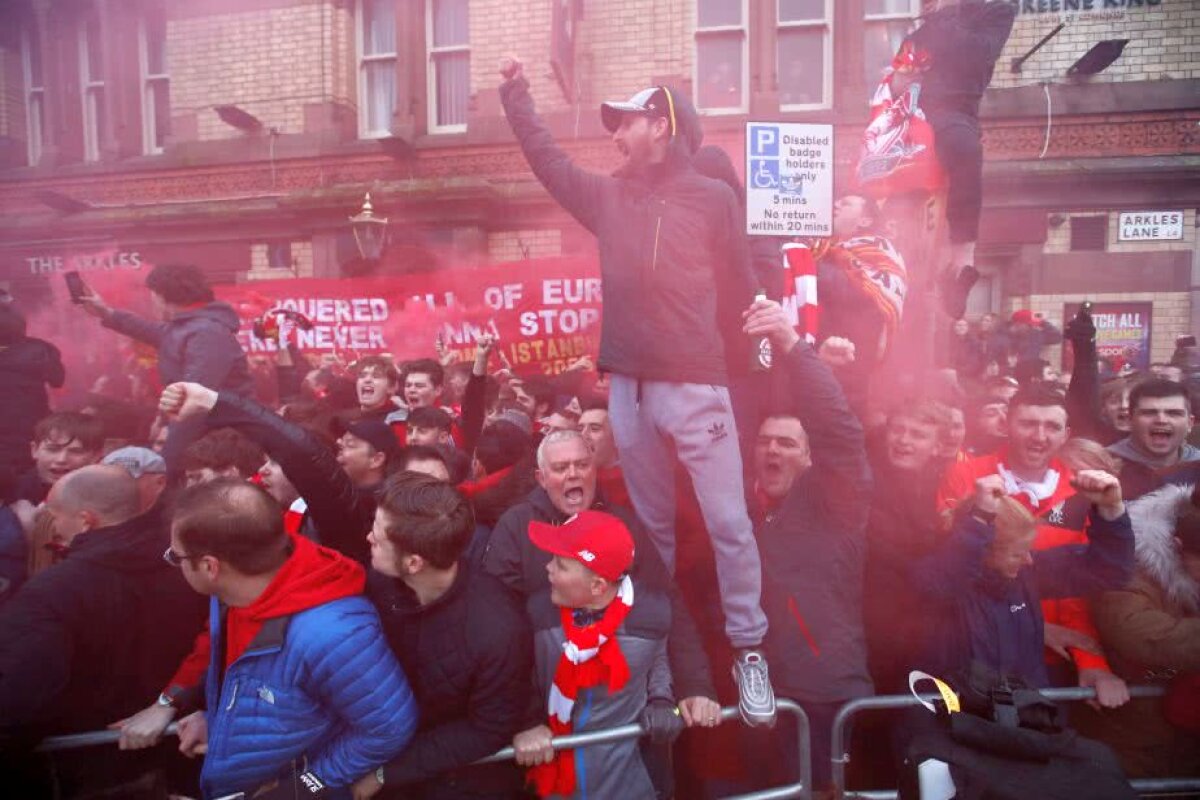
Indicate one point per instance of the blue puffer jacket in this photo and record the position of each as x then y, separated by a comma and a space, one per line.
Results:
320, 685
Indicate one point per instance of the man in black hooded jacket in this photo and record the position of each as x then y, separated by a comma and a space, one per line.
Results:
676, 273
27, 367
84, 642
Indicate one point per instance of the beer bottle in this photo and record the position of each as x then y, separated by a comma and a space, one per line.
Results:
760, 346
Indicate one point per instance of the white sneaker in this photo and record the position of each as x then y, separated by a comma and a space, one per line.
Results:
756, 698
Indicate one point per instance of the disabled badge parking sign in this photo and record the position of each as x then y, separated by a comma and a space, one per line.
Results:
789, 179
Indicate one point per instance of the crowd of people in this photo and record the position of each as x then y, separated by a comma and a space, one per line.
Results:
359, 578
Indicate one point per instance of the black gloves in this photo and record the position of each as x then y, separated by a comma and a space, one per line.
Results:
661, 721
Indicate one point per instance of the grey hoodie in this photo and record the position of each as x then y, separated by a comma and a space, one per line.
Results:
1126, 450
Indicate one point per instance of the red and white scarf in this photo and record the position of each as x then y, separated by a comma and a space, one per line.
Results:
591, 657
872, 264
294, 516
800, 290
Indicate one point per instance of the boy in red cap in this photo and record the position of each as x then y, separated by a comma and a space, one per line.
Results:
601, 661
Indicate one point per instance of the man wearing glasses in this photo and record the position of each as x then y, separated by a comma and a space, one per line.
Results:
302, 693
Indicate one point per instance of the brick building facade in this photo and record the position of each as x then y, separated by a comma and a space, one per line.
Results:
241, 134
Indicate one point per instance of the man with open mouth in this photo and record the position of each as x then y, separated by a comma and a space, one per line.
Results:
376, 383
1160, 418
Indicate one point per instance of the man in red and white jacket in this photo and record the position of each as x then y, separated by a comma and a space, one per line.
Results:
1032, 473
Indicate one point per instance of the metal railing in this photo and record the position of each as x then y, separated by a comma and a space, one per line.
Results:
800, 789
841, 755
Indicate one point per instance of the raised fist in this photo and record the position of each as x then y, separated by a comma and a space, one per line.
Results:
1102, 489
836, 351
988, 491
185, 400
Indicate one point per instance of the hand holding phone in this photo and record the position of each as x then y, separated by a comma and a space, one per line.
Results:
86, 296
76, 286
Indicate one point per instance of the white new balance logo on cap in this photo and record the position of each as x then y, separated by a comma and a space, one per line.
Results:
587, 555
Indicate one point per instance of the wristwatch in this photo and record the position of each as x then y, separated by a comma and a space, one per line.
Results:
379, 776
165, 700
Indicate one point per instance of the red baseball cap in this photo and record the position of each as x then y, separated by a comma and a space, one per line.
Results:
599, 541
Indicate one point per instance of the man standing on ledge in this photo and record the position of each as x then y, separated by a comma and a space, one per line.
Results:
676, 272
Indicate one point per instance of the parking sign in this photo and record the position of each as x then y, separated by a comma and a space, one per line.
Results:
789, 179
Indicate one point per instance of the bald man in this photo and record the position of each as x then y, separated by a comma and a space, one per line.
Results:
85, 641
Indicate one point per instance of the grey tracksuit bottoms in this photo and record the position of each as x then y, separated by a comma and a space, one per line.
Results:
653, 421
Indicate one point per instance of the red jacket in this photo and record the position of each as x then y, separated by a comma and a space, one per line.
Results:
1061, 517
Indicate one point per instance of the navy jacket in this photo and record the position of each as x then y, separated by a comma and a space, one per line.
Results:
199, 346
814, 546
997, 621
673, 256
469, 658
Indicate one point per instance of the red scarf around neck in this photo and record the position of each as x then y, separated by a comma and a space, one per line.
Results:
591, 657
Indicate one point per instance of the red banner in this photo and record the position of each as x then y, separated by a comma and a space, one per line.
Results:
545, 313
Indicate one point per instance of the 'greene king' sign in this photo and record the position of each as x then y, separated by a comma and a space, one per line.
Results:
1150, 226
1027, 7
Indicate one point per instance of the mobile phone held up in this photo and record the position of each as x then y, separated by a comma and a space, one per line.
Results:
76, 286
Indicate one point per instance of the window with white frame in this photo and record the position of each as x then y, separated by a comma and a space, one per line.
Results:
156, 84
376, 67
721, 66
449, 44
804, 53
887, 22
35, 95
91, 82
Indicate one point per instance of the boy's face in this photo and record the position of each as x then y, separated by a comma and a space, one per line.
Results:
420, 390
374, 388
911, 443
1010, 557
572, 585
57, 454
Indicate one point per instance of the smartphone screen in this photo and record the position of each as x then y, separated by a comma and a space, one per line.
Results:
75, 286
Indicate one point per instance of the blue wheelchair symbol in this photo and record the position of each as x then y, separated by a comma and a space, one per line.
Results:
764, 174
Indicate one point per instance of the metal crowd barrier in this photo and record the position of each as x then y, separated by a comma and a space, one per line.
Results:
841, 754
800, 789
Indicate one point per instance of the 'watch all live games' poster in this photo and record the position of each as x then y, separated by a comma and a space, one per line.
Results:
1122, 333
